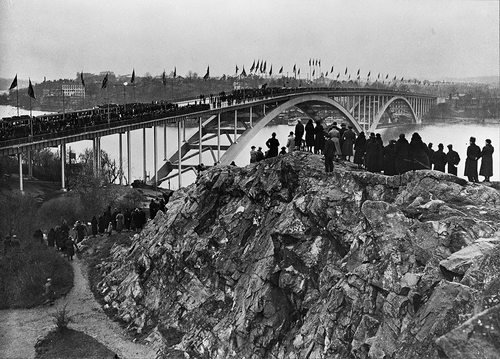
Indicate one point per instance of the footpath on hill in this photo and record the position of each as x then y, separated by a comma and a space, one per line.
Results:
20, 329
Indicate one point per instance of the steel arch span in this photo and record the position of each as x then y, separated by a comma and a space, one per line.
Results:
245, 139
378, 116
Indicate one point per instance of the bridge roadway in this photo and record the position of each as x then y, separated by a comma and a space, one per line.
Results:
237, 120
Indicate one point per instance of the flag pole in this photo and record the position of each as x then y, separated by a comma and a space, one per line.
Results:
17, 101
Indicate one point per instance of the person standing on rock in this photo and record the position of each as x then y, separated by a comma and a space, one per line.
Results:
260, 154
359, 149
309, 135
453, 159
70, 248
473, 154
486, 169
273, 144
290, 143
299, 133
439, 159
253, 155
93, 225
48, 292
402, 155
348, 139
329, 153
119, 221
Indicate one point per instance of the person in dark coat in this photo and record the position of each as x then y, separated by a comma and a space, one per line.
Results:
402, 155
107, 217
473, 154
453, 159
389, 158
440, 159
81, 231
486, 169
372, 154
113, 218
153, 208
70, 248
348, 139
431, 155
419, 155
127, 217
329, 153
319, 138
142, 218
93, 225
51, 238
260, 154
273, 144
310, 135
359, 149
299, 133
102, 224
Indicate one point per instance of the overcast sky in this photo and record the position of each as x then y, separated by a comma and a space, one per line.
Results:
426, 39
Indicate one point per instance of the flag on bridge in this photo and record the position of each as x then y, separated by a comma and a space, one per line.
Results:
309, 62
298, 72
13, 84
386, 76
369, 73
338, 75
294, 69
207, 75
257, 67
253, 66
132, 80
313, 72
243, 73
164, 78
104, 82
264, 68
175, 72
31, 92
345, 73
237, 69
357, 73
331, 71
271, 71
394, 78
326, 75
281, 70
81, 78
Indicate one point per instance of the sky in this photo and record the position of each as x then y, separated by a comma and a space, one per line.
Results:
424, 39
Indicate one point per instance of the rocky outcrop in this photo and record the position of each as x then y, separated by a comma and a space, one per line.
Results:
280, 260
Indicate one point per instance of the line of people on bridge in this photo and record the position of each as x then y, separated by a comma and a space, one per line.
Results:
397, 157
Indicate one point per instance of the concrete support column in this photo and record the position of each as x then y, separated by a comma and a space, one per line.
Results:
98, 154
251, 123
120, 157
235, 125
200, 141
359, 111
129, 159
155, 155
364, 113
63, 166
165, 141
218, 137
179, 145
20, 161
184, 129
264, 106
144, 154
94, 158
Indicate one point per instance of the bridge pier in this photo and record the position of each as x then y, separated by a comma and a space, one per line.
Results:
218, 136
251, 125
165, 142
120, 157
144, 154
179, 153
30, 163
129, 160
63, 166
98, 156
20, 162
236, 125
155, 155
200, 148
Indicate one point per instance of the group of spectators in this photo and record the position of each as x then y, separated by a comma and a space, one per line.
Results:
397, 157
19, 127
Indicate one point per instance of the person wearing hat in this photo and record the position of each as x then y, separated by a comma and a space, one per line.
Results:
329, 153
453, 159
283, 151
253, 155
440, 159
273, 144
290, 143
473, 154
486, 169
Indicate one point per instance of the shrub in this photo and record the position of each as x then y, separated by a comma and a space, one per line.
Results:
61, 318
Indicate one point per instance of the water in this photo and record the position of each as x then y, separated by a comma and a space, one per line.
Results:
457, 133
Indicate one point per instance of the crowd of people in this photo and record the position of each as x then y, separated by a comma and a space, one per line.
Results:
397, 157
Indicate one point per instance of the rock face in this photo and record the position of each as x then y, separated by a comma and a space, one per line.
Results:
279, 260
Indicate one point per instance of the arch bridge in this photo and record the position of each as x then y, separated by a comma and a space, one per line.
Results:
229, 125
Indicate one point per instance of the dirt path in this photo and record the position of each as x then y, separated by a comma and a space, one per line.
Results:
21, 328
